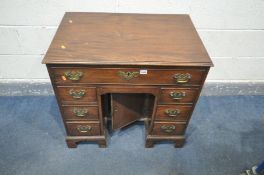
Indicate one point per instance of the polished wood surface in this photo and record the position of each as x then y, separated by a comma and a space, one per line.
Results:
120, 68
127, 39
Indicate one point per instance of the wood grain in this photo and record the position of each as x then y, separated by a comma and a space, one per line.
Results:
127, 39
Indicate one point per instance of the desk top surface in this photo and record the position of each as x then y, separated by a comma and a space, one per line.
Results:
127, 39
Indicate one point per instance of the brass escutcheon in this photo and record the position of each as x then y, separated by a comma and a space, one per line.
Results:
128, 75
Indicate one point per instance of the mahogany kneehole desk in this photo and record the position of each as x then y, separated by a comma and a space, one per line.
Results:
109, 68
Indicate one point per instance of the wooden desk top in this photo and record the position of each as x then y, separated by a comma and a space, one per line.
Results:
127, 39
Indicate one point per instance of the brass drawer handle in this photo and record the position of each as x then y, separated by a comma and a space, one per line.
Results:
73, 75
80, 112
172, 112
182, 77
77, 94
128, 75
168, 128
84, 128
177, 95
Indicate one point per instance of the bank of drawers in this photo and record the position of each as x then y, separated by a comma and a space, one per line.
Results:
174, 110
75, 88
79, 109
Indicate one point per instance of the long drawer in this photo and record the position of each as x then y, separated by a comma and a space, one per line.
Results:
173, 112
80, 112
189, 77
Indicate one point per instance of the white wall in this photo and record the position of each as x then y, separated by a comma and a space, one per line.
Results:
232, 31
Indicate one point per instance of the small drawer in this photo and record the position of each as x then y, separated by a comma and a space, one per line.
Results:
168, 128
178, 95
83, 128
180, 76
77, 94
173, 112
80, 112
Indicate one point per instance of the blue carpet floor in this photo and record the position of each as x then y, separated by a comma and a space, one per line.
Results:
225, 136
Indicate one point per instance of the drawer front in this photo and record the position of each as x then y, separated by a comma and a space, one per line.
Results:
128, 75
168, 128
80, 112
178, 95
173, 112
77, 94
83, 128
